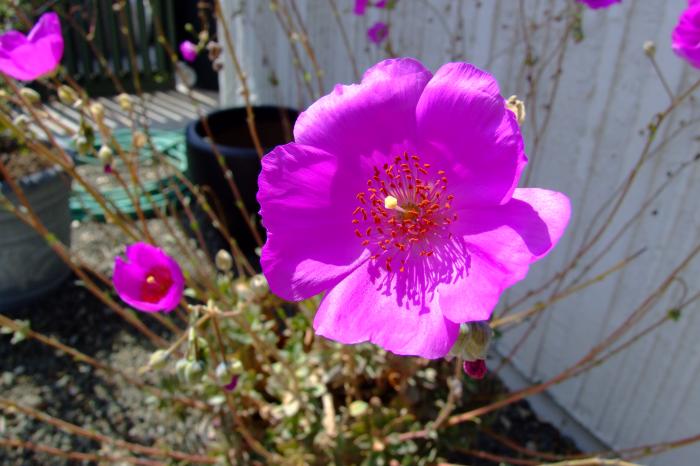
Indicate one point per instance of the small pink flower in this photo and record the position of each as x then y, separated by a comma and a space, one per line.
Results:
37, 54
149, 280
378, 32
475, 369
360, 7
231, 386
398, 198
189, 51
595, 4
685, 39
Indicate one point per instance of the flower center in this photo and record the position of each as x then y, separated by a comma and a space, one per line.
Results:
157, 284
405, 212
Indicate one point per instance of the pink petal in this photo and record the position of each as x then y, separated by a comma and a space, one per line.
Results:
307, 199
38, 54
502, 242
463, 118
685, 39
360, 6
128, 279
360, 309
360, 120
595, 4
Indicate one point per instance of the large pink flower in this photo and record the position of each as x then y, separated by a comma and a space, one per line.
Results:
398, 198
599, 3
35, 55
149, 280
685, 39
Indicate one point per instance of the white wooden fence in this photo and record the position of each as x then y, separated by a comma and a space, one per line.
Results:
607, 94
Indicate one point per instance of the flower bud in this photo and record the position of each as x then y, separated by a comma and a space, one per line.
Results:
649, 48
21, 121
243, 291
158, 359
30, 95
105, 155
518, 107
214, 50
139, 139
82, 145
223, 261
67, 95
98, 111
473, 341
475, 369
180, 366
259, 285
193, 371
125, 102
223, 373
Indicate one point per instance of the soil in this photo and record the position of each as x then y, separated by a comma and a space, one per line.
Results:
18, 163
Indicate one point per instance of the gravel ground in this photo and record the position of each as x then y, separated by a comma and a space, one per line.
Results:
36, 376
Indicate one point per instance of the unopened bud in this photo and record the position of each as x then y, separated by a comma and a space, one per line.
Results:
193, 371
82, 145
158, 359
473, 341
649, 48
139, 139
21, 121
98, 111
223, 261
67, 95
214, 50
105, 155
259, 285
217, 65
125, 102
30, 95
475, 369
223, 373
516, 106
244, 292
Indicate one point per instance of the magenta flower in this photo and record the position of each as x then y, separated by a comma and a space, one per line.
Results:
685, 39
595, 4
360, 7
231, 386
378, 32
475, 369
149, 280
37, 54
398, 199
189, 51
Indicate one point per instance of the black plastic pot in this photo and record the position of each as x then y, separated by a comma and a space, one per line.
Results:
29, 267
232, 139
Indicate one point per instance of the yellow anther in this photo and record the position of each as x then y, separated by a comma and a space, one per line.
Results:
150, 279
390, 202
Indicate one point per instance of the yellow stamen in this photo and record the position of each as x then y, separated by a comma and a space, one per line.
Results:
390, 202
150, 279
